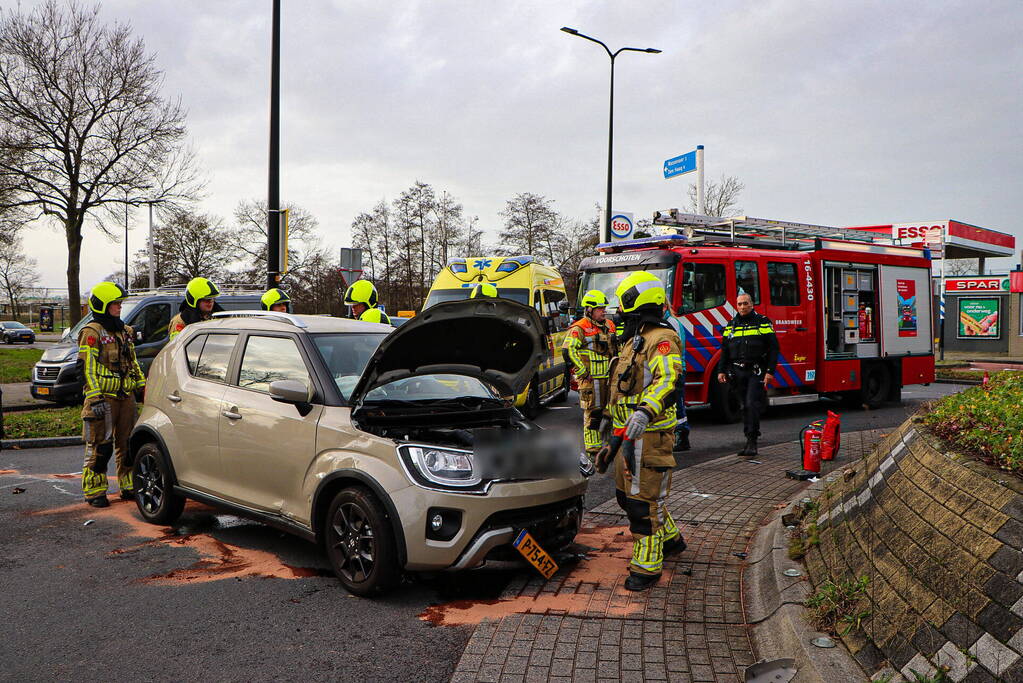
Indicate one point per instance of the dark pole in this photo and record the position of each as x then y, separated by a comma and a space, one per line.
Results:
273, 196
126, 240
611, 117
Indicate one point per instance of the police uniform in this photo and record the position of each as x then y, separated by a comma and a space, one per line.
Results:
642, 403
112, 376
749, 350
590, 347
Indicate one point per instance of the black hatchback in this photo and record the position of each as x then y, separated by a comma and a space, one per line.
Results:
12, 332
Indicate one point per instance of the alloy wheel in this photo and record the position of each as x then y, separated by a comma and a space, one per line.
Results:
149, 483
354, 542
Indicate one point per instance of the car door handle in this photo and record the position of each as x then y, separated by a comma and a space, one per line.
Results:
173, 398
231, 415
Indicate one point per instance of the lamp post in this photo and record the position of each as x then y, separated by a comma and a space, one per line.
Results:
126, 239
611, 114
273, 198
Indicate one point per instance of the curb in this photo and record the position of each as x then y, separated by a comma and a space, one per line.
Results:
42, 442
939, 380
776, 615
22, 407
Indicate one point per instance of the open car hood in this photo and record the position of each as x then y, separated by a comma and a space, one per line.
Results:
498, 341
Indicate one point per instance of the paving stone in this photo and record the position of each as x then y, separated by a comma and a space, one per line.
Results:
1011, 533
999, 622
993, 655
1007, 560
1003, 589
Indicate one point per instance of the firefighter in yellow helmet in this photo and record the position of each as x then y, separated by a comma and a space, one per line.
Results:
276, 300
483, 290
112, 375
642, 415
362, 297
590, 344
199, 305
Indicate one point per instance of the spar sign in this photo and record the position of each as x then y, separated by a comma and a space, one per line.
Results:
621, 226
977, 284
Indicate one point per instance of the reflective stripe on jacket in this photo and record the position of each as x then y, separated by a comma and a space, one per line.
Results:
749, 339
109, 365
590, 347
647, 378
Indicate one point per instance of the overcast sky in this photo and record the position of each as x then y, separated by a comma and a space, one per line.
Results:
837, 113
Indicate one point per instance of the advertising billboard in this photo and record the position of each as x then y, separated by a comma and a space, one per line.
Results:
979, 318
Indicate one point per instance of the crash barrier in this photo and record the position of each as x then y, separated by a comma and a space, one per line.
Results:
819, 440
937, 538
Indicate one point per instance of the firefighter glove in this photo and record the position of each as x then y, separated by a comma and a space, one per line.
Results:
605, 429
100, 409
636, 424
604, 458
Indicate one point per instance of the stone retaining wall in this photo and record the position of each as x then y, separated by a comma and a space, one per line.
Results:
939, 537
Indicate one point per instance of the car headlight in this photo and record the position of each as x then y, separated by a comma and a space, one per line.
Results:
444, 466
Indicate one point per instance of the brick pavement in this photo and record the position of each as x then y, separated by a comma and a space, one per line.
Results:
582, 625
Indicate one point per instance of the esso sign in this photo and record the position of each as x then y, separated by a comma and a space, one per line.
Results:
621, 226
915, 232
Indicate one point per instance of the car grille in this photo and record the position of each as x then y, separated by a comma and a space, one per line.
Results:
47, 373
553, 525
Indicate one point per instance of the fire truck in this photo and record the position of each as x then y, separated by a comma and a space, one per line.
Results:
851, 311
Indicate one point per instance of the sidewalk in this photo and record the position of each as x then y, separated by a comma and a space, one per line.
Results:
582, 625
20, 394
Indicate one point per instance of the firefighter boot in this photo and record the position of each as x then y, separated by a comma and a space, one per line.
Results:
681, 441
640, 582
98, 502
751, 447
674, 545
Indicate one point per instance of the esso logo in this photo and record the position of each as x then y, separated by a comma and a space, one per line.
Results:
621, 226
917, 232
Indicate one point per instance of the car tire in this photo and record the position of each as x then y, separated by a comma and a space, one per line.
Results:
532, 407
359, 543
154, 495
875, 386
724, 403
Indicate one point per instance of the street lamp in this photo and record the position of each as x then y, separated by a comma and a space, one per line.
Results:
611, 115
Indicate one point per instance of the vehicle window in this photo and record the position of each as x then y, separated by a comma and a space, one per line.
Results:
13, 326
270, 359
214, 357
747, 280
430, 388
192, 351
552, 299
703, 286
345, 356
783, 284
608, 282
438, 296
152, 322
239, 304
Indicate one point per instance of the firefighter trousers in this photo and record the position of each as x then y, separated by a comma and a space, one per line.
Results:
99, 445
749, 388
592, 398
642, 496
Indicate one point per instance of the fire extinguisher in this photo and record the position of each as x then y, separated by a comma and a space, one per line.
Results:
866, 321
810, 439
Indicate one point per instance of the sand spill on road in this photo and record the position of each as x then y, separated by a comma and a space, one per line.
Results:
594, 587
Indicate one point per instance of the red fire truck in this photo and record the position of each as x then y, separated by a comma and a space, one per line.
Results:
851, 311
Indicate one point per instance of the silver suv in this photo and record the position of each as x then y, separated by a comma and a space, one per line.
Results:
357, 437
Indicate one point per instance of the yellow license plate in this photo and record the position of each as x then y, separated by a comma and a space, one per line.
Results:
43, 391
535, 555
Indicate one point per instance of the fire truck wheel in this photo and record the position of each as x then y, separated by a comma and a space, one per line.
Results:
875, 386
724, 402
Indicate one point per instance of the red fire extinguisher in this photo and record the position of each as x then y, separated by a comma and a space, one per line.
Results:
866, 321
810, 439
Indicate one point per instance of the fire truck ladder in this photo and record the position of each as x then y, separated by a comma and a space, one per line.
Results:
743, 229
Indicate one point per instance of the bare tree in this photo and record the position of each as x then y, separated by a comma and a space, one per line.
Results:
80, 107
529, 224
958, 267
720, 198
17, 271
194, 245
250, 236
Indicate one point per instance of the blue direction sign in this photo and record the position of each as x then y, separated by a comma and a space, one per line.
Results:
680, 164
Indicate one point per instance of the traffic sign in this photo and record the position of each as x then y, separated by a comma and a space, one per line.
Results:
685, 163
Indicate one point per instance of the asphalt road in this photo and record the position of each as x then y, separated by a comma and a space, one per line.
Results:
223, 598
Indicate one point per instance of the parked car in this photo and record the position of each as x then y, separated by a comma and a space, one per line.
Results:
57, 377
12, 332
356, 436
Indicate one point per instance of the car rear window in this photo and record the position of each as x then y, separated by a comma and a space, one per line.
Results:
210, 357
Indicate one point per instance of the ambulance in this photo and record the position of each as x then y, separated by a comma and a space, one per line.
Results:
521, 279
852, 312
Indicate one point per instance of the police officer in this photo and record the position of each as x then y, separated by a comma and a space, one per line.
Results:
749, 352
642, 410
483, 289
362, 297
591, 343
198, 305
276, 300
682, 427
112, 377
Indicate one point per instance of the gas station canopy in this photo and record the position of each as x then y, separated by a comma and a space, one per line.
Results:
948, 238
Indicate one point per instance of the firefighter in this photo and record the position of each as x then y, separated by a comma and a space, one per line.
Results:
276, 300
642, 403
362, 297
198, 305
682, 427
112, 378
749, 352
483, 289
590, 344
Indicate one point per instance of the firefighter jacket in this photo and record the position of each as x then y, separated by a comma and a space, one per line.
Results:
109, 365
749, 339
645, 377
590, 347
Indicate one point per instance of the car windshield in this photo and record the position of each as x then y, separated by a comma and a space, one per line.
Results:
441, 295
13, 326
430, 388
608, 282
346, 355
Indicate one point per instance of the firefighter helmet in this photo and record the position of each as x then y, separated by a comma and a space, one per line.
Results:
375, 315
200, 288
482, 290
275, 296
639, 289
104, 294
594, 299
361, 292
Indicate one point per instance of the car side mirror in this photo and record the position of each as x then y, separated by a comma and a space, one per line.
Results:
563, 307
294, 392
